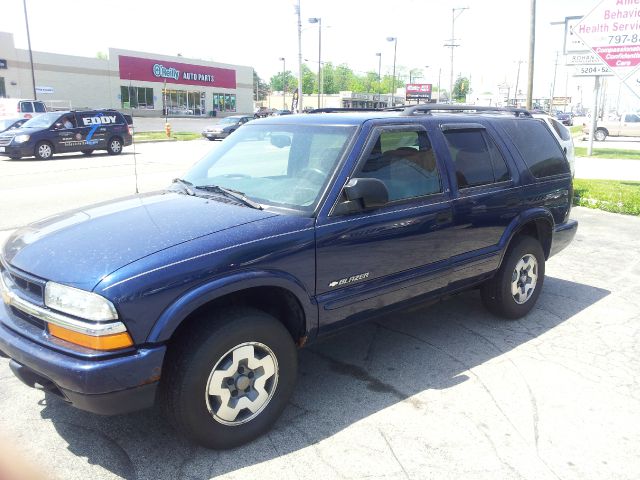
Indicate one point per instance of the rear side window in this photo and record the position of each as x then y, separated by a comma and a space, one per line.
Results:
538, 148
476, 158
26, 107
560, 129
40, 107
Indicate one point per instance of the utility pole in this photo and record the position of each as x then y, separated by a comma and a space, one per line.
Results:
515, 95
553, 86
532, 46
453, 44
33, 75
299, 107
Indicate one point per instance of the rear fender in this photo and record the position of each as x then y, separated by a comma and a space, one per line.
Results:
522, 222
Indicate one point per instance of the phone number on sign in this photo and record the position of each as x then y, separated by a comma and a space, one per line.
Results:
624, 39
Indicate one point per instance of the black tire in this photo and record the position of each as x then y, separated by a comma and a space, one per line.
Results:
600, 135
196, 355
43, 151
86, 152
114, 146
211, 139
497, 293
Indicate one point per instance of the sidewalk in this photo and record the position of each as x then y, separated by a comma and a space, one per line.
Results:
607, 169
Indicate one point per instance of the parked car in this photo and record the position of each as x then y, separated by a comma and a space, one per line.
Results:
563, 135
11, 123
262, 112
566, 118
198, 296
20, 107
277, 113
625, 125
70, 131
225, 127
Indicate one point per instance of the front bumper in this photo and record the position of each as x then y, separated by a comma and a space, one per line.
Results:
21, 150
563, 234
215, 135
105, 385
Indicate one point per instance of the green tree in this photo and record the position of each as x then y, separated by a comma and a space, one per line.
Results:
461, 89
261, 86
290, 80
309, 80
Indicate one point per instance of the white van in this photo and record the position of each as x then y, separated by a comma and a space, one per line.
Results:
21, 108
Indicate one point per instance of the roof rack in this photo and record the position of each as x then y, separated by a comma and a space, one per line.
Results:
334, 110
427, 108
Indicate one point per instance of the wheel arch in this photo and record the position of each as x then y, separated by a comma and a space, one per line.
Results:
537, 223
273, 292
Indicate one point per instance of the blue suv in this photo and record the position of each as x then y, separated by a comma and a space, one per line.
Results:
197, 297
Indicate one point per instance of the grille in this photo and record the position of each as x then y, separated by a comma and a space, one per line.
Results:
5, 140
36, 322
30, 288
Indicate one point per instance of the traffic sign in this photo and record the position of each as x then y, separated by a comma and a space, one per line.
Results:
611, 30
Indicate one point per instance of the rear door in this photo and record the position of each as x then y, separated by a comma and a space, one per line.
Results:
370, 259
94, 128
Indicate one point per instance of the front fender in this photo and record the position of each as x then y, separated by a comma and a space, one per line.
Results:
182, 307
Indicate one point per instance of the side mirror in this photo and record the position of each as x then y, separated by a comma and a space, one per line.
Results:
58, 126
371, 192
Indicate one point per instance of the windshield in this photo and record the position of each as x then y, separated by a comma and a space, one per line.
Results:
42, 121
284, 166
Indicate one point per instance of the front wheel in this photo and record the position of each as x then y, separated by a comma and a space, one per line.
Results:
43, 151
600, 135
114, 147
515, 288
228, 382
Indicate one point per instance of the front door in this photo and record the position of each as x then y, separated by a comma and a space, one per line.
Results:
372, 259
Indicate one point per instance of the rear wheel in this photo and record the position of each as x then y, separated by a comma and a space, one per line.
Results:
43, 151
114, 147
228, 382
600, 135
515, 288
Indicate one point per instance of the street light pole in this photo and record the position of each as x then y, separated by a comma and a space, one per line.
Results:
284, 85
33, 75
379, 55
393, 80
453, 43
299, 106
319, 22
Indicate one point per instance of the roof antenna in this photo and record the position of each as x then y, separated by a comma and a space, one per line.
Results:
133, 141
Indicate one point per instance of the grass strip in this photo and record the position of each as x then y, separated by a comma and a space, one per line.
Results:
609, 153
609, 195
163, 136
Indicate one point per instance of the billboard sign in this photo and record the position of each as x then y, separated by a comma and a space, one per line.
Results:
611, 31
418, 91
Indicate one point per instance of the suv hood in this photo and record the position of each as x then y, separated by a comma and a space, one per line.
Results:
80, 247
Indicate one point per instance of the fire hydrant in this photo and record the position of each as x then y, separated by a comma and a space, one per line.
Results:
167, 129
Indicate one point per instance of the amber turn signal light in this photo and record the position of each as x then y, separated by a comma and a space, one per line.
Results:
106, 342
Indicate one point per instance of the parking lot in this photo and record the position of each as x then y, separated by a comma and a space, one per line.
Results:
444, 391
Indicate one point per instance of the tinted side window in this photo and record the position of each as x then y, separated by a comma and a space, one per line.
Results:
476, 158
40, 107
26, 107
538, 148
405, 162
560, 129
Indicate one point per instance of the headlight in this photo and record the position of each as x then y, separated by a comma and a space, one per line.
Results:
79, 303
21, 138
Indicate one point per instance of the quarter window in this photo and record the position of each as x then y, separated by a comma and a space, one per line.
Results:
476, 158
405, 162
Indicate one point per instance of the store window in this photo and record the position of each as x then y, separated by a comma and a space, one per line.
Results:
183, 102
136, 97
224, 102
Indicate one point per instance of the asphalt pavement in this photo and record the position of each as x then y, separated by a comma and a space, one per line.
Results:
444, 391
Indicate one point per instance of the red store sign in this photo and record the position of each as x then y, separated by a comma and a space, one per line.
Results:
150, 70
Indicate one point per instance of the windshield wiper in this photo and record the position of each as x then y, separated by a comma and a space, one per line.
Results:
241, 197
186, 185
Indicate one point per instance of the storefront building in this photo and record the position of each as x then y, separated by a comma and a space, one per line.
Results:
138, 82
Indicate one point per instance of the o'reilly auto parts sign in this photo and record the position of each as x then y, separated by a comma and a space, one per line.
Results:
418, 91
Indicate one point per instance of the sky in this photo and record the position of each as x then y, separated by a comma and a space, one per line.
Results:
493, 35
